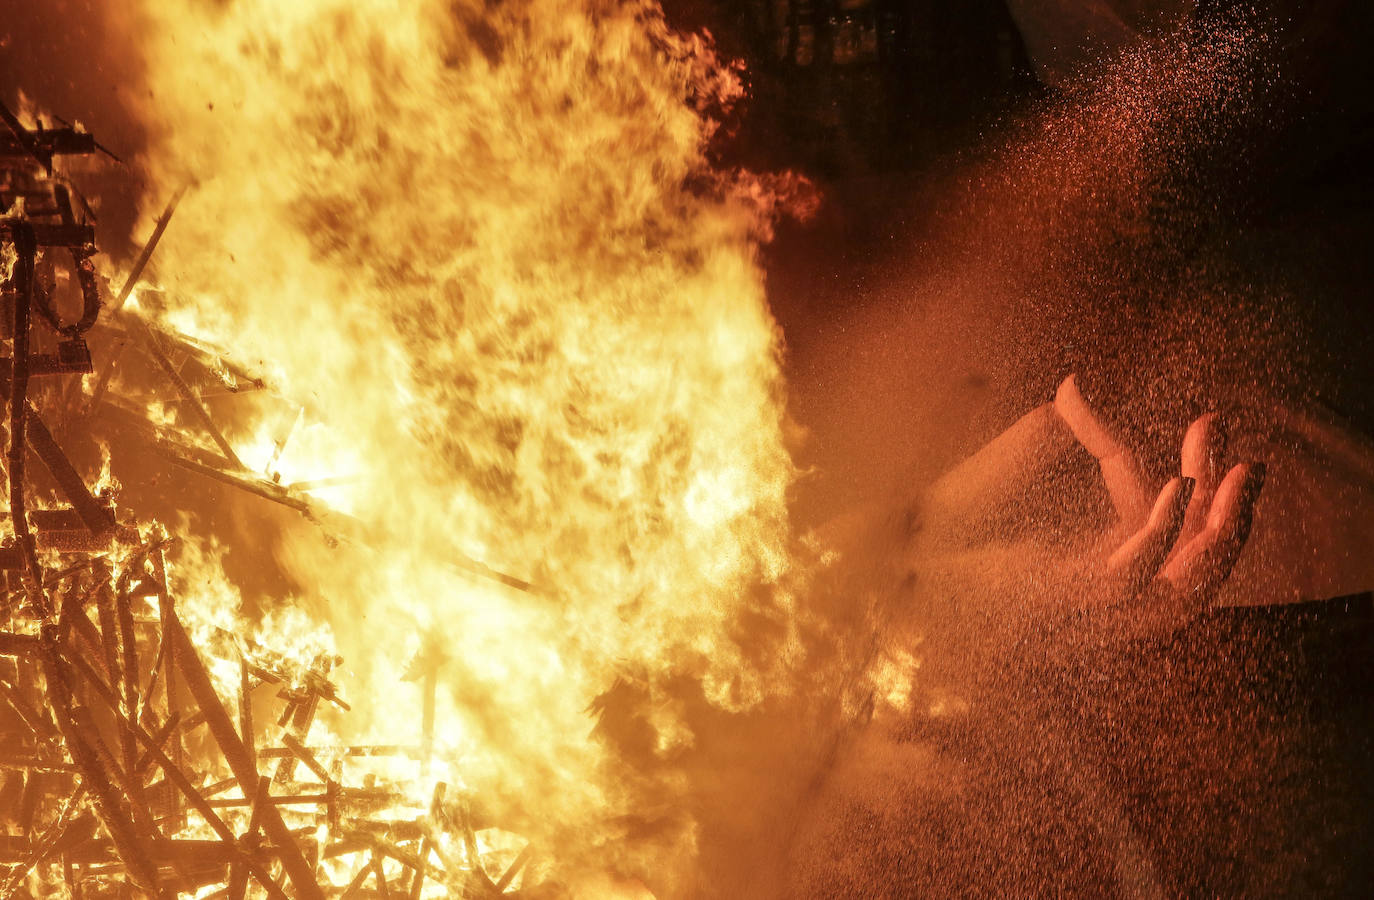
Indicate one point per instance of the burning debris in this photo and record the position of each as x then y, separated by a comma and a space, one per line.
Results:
503, 425
132, 761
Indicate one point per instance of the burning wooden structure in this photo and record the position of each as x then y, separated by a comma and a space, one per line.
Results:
129, 760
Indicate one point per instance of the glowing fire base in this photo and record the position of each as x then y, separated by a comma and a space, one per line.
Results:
123, 770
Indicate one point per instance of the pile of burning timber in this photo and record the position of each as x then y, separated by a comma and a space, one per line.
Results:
127, 767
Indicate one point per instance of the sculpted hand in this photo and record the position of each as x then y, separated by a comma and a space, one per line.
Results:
1157, 565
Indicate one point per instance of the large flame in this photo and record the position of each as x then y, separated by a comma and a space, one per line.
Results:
480, 244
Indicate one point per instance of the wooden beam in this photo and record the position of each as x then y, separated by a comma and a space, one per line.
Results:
240, 760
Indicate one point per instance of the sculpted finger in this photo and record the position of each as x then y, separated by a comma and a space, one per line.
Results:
1199, 569
1136, 562
1011, 462
1120, 470
1204, 448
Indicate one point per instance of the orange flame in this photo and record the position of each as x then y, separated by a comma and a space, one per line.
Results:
481, 245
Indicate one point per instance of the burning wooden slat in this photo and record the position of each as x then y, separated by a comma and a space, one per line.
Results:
96, 769
298, 716
154, 671
392, 851
191, 402
17, 644
135, 802
35, 721
69, 876
102, 381
514, 868
160, 739
198, 681
167, 615
100, 705
474, 857
47, 234
246, 708
265, 489
42, 144
199, 803
75, 622
260, 801
40, 849
379, 871
73, 362
17, 763
237, 888
97, 517
147, 252
128, 647
417, 881
128, 710
354, 750
354, 886
34, 788
302, 753
48, 143
278, 800
109, 631
25, 244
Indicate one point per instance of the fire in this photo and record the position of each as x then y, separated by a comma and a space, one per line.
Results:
481, 252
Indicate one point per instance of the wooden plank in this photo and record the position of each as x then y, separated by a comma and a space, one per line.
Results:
192, 402
96, 516
55, 235
18, 644
48, 142
240, 761
114, 813
147, 252
183, 784
417, 881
